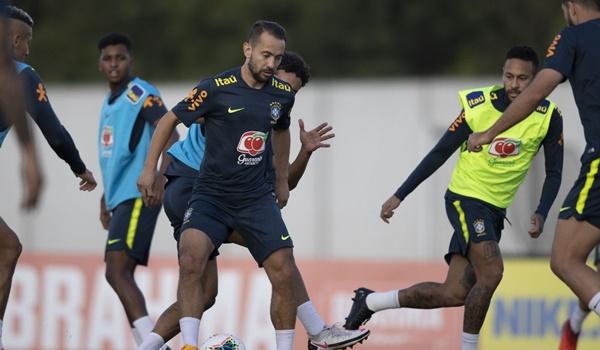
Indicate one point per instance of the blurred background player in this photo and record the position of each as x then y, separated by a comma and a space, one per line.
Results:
182, 172
482, 186
17, 30
13, 112
574, 54
129, 113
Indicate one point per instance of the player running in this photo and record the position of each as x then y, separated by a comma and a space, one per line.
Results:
482, 186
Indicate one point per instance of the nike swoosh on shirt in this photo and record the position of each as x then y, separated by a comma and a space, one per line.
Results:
113, 241
285, 238
565, 208
231, 110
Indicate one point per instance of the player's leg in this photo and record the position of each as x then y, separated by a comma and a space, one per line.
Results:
10, 249
128, 245
572, 327
206, 226
427, 295
573, 242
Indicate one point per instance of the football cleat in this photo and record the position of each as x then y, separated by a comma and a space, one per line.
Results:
359, 313
336, 337
568, 338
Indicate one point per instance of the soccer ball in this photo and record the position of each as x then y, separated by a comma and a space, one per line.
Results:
222, 342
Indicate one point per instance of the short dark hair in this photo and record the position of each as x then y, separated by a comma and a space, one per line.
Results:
270, 27
294, 63
18, 14
524, 53
114, 39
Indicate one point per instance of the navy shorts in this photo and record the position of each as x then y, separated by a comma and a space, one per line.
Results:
583, 201
259, 223
131, 229
597, 255
473, 221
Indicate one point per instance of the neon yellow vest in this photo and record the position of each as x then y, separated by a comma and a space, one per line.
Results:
495, 174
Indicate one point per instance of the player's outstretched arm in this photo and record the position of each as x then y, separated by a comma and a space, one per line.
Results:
164, 129
456, 135
281, 150
311, 141
541, 86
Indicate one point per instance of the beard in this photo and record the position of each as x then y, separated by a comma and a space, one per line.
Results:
256, 72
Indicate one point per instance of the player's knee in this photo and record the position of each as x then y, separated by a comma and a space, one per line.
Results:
191, 263
558, 265
456, 295
11, 249
283, 275
491, 275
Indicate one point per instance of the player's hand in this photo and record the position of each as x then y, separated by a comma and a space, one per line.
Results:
105, 215
158, 188
32, 179
88, 182
537, 225
314, 139
387, 209
282, 193
477, 140
145, 184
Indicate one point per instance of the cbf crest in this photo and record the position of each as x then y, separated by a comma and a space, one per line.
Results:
275, 112
479, 226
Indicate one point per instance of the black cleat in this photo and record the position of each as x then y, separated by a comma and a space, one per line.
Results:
359, 313
311, 347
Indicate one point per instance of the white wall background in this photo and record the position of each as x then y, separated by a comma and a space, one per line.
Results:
383, 129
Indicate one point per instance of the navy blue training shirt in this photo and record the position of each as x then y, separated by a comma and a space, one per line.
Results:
238, 125
575, 53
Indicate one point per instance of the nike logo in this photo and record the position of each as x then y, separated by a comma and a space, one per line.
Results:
113, 241
231, 110
285, 238
565, 208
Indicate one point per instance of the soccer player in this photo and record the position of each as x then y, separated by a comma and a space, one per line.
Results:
245, 109
187, 155
130, 111
12, 110
574, 54
482, 186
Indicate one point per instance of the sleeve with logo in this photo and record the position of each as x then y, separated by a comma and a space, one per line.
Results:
38, 106
197, 104
284, 120
153, 109
453, 138
553, 155
561, 52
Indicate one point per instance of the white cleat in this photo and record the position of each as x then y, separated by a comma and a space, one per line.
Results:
336, 338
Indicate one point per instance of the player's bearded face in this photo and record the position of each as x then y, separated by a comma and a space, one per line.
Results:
517, 75
265, 56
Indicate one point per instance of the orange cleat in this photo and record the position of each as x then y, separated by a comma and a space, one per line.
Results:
189, 347
568, 338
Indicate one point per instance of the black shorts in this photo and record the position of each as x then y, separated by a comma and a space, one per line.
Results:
259, 223
597, 255
473, 221
131, 229
583, 201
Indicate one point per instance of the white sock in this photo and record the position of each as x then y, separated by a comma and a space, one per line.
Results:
577, 317
310, 318
137, 337
190, 329
594, 304
469, 341
284, 339
152, 341
378, 301
143, 326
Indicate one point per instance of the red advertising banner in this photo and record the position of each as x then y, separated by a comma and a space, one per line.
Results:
64, 302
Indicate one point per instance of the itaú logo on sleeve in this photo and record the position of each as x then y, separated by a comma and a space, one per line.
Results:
505, 147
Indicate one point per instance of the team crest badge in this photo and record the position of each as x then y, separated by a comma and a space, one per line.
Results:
479, 226
275, 112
